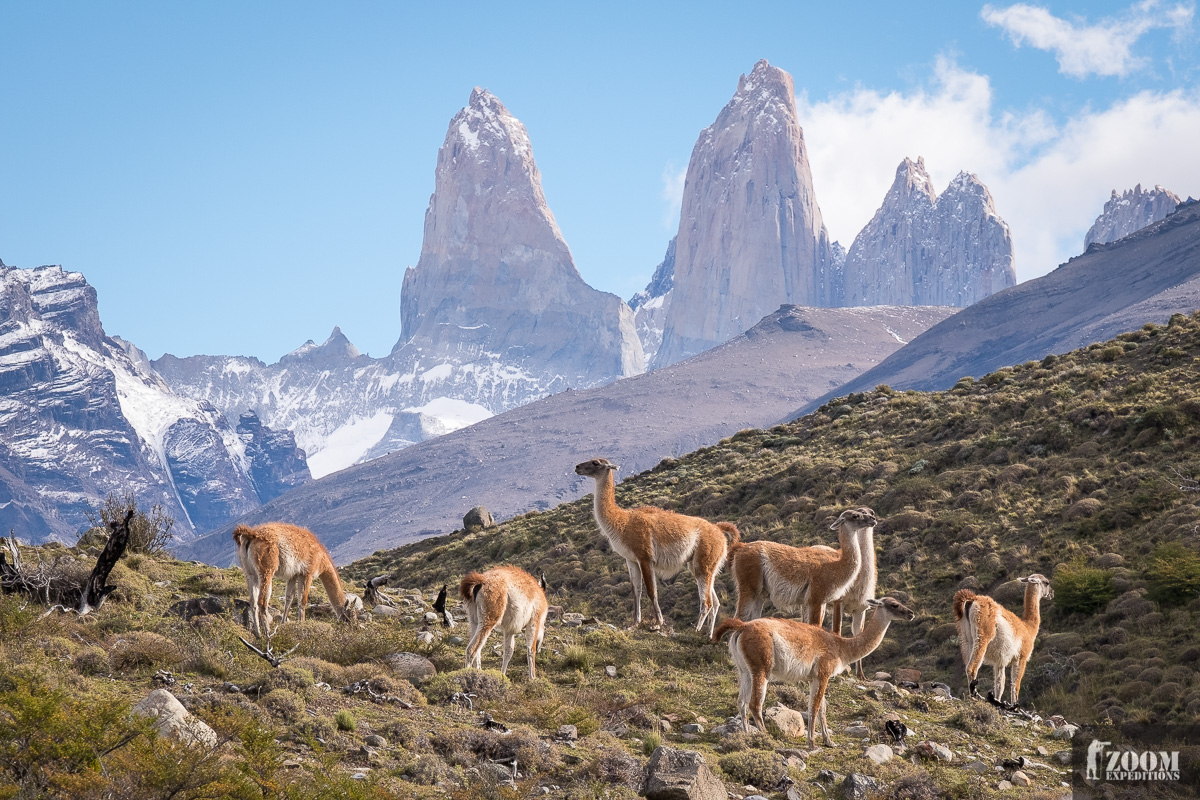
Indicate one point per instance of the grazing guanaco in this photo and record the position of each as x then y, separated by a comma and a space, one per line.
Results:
787, 650
655, 542
854, 601
799, 579
988, 633
508, 598
296, 555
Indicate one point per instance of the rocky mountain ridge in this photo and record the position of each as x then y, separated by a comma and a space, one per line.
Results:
1143, 278
504, 464
1130, 211
925, 249
82, 415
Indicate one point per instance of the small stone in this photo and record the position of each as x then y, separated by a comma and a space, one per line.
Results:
457, 641
568, 732
360, 776
665, 725
375, 740
693, 727
1020, 779
690, 737
908, 676
1063, 756
610, 671
856, 787
385, 611
1067, 731
879, 753
883, 676
1042, 751
858, 731
977, 767
410, 666
425, 637
795, 762
431, 617
1004, 786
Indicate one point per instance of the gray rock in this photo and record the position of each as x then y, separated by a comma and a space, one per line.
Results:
858, 731
1004, 786
425, 637
478, 517
375, 740
1067, 731
568, 732
610, 671
431, 618
457, 641
1019, 778
879, 753
174, 721
789, 723
680, 775
198, 607
977, 766
385, 611
410, 666
693, 727
1063, 756
856, 786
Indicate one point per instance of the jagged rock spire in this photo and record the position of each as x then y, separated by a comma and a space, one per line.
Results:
1130, 211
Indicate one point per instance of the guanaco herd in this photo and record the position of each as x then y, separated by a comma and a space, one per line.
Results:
657, 543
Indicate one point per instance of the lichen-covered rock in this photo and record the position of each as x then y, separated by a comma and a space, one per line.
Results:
410, 666
680, 775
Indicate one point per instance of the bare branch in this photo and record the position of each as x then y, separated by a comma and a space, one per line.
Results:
269, 654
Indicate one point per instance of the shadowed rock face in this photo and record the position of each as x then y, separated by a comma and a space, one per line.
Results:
921, 249
83, 415
1130, 211
1111, 289
495, 275
523, 459
750, 231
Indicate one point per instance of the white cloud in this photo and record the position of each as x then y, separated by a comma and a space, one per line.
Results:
672, 195
1103, 48
1049, 181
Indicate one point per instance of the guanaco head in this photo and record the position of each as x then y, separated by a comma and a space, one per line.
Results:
596, 468
1043, 584
893, 608
856, 518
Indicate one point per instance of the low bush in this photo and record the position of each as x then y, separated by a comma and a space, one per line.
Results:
1173, 576
1079, 589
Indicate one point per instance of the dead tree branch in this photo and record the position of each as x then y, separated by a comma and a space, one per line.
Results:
269, 654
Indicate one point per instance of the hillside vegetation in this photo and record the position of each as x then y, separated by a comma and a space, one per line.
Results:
1081, 467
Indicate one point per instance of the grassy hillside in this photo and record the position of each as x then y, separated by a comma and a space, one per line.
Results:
1081, 467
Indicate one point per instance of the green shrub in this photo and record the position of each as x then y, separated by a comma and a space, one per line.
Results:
578, 657
651, 742
283, 703
1173, 575
92, 661
1079, 589
345, 721
759, 767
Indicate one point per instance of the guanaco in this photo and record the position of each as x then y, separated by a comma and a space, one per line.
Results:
988, 633
655, 542
862, 589
787, 650
296, 555
508, 598
799, 579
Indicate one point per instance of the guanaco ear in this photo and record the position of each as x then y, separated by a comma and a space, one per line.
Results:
837, 522
873, 603
1023, 580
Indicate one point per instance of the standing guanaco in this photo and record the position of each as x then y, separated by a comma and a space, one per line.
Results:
296, 555
507, 598
787, 650
988, 633
656, 542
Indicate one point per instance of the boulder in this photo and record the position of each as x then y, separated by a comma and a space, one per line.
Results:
1019, 778
173, 721
789, 723
857, 787
879, 753
198, 607
478, 517
680, 775
410, 666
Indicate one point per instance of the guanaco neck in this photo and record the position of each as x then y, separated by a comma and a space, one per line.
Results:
611, 516
1032, 613
866, 547
849, 558
333, 585
858, 647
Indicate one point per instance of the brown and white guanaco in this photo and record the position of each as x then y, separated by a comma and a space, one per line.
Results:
854, 601
799, 579
655, 542
508, 598
787, 650
294, 554
988, 633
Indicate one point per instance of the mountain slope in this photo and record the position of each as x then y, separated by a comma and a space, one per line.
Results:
1142, 278
517, 461
1085, 468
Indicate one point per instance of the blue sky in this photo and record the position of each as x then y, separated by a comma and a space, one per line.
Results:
238, 178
